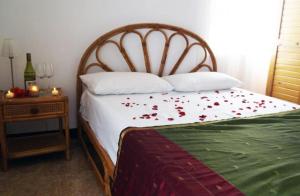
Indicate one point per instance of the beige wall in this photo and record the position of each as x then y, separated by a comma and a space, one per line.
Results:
58, 32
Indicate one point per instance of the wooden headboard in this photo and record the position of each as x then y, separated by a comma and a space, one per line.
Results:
143, 31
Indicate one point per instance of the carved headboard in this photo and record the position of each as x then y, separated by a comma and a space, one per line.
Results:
142, 31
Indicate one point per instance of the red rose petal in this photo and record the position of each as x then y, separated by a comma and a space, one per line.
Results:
181, 114
170, 119
202, 117
155, 107
216, 104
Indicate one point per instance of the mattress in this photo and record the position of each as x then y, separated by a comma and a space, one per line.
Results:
108, 115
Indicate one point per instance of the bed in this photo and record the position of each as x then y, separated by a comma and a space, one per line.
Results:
104, 121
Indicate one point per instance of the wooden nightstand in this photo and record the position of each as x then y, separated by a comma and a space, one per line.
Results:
34, 108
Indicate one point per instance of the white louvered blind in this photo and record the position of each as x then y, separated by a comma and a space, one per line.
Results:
286, 75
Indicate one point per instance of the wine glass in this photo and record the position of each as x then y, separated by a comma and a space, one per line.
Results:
40, 71
49, 72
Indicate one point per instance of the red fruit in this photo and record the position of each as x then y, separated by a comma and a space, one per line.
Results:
18, 92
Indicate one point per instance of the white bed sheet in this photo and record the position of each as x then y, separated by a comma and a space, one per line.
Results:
108, 115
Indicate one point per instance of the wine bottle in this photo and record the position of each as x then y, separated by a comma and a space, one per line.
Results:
29, 73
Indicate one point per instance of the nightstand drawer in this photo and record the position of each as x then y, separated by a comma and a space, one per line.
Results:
38, 109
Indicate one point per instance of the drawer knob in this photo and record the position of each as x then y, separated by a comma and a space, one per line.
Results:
34, 110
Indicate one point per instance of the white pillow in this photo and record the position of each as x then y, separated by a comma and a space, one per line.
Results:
104, 83
202, 81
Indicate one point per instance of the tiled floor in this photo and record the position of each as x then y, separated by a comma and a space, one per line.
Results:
50, 175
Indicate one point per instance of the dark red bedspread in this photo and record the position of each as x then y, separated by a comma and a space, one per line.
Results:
150, 164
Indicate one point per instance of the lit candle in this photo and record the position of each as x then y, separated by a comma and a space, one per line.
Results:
55, 92
9, 95
33, 90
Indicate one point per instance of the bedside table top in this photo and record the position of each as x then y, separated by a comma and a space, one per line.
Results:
24, 100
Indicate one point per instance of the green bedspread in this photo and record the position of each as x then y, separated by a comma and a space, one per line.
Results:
260, 156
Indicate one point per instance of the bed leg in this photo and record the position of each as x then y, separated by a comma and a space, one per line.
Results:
107, 190
79, 129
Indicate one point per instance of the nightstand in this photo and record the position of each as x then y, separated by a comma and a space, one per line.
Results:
34, 108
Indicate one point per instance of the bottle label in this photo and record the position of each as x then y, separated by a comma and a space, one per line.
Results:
29, 83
